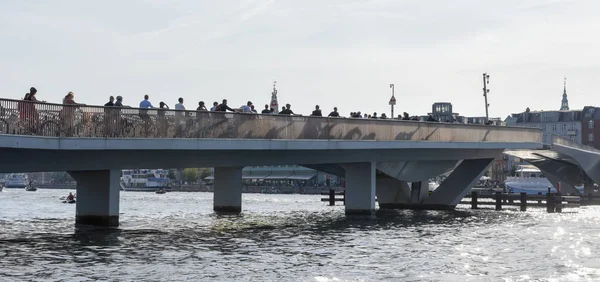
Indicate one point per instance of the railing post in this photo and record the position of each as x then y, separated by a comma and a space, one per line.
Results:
473, 199
539, 194
549, 202
523, 201
498, 201
331, 197
558, 202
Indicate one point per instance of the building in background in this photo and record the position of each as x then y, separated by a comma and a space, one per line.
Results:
443, 112
590, 130
567, 123
571, 124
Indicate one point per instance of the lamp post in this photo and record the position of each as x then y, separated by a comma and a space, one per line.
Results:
392, 101
486, 81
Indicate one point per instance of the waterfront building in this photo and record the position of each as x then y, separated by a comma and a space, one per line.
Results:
564, 122
590, 130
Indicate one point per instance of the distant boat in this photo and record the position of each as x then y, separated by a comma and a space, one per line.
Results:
531, 180
433, 185
146, 180
16, 180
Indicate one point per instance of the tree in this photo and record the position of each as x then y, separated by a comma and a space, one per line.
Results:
191, 174
205, 172
171, 175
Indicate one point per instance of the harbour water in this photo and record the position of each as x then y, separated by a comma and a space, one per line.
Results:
177, 237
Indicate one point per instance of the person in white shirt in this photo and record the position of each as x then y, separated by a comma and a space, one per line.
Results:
246, 108
179, 113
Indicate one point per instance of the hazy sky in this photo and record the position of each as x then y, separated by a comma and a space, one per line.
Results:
342, 53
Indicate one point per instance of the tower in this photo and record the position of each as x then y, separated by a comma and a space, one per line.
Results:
274, 103
565, 102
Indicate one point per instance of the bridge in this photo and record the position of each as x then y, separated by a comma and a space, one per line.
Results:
567, 162
376, 157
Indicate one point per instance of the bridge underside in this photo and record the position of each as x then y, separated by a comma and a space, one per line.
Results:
568, 166
379, 168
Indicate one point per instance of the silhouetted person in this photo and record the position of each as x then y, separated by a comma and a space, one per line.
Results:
431, 119
287, 110
334, 113
266, 110
316, 112
374, 115
214, 107
223, 107
201, 106
111, 102
406, 117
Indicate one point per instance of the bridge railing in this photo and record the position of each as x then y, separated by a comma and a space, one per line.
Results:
560, 140
45, 119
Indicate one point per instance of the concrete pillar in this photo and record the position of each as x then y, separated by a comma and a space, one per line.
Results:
360, 188
97, 197
391, 192
418, 192
458, 184
228, 189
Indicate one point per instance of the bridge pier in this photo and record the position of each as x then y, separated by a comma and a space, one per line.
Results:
391, 192
457, 184
228, 190
360, 188
418, 192
97, 197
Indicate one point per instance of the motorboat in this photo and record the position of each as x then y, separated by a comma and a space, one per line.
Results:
16, 180
144, 180
531, 180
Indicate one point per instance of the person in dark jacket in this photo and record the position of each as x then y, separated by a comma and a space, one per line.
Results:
266, 110
286, 110
334, 113
223, 107
316, 112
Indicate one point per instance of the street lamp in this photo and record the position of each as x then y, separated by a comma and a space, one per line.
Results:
486, 81
392, 100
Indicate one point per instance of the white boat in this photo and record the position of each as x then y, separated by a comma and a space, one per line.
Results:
148, 180
16, 180
433, 185
531, 180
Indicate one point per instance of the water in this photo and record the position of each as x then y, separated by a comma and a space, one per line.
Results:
176, 237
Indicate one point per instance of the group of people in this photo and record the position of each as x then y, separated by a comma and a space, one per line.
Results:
117, 101
216, 107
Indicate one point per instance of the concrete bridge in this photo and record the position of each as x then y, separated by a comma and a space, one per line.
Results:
567, 162
376, 157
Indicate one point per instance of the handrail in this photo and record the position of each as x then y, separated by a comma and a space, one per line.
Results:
48, 119
560, 140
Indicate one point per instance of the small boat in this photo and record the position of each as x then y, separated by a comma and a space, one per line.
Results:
69, 202
31, 188
161, 192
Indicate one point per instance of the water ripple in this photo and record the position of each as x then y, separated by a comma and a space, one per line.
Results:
291, 238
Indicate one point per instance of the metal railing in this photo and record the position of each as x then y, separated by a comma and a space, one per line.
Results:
19, 117
560, 140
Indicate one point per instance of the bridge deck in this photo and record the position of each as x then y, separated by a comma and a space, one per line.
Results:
54, 120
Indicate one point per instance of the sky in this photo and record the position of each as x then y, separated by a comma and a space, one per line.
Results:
342, 53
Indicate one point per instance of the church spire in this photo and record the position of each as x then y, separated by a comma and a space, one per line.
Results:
565, 102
